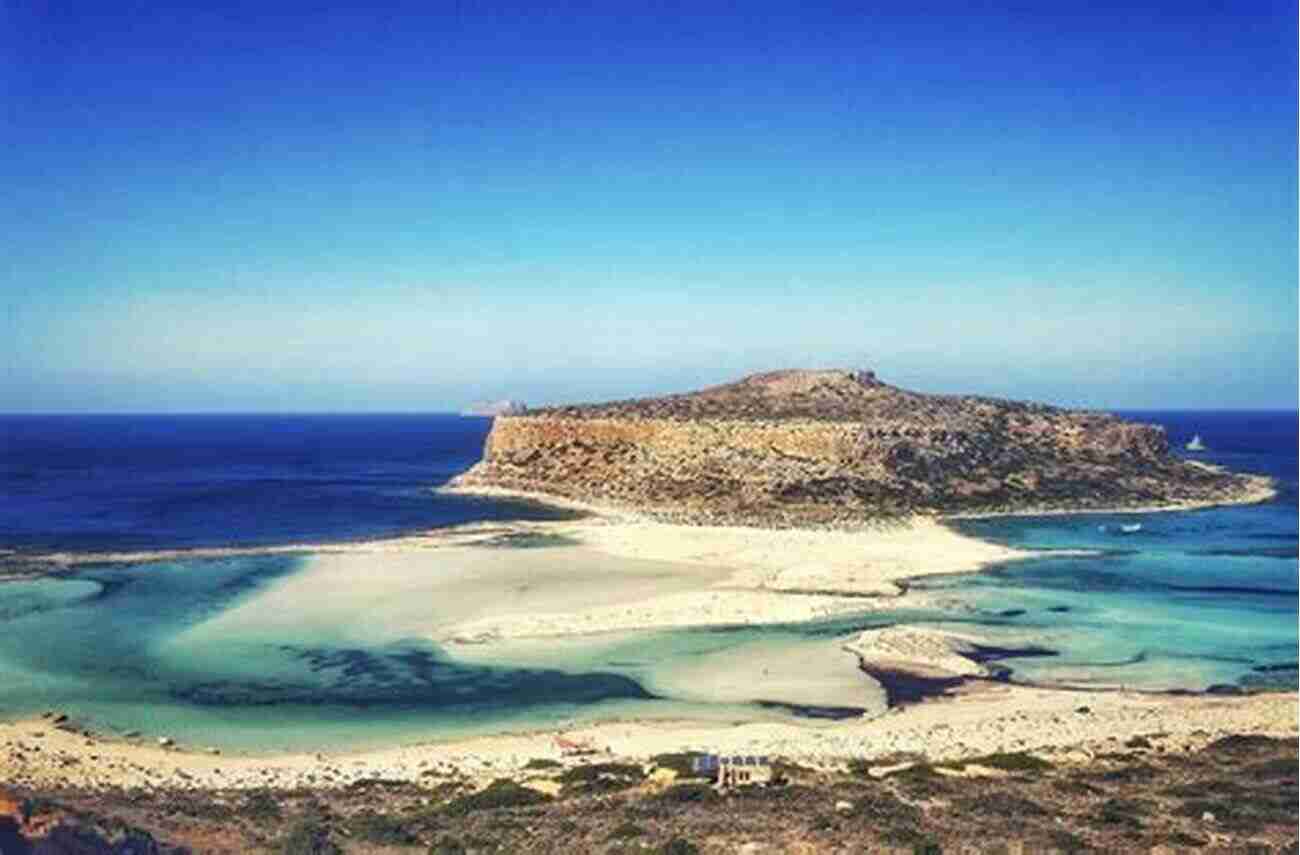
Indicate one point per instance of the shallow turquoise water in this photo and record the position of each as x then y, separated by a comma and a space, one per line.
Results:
99, 642
1192, 600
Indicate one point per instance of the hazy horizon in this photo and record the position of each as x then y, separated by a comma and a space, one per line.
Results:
344, 208
462, 408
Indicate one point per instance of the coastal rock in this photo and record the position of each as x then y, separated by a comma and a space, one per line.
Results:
793, 448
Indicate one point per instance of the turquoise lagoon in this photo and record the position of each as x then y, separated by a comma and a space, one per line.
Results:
1192, 600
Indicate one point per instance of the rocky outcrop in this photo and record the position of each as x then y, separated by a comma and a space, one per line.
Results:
838, 447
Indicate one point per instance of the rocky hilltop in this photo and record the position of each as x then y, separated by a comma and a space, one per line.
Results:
839, 447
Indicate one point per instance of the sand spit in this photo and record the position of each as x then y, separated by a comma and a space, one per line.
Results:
916, 650
1072, 726
470, 533
664, 576
771, 575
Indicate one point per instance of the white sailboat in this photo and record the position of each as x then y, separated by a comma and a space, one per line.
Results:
1195, 444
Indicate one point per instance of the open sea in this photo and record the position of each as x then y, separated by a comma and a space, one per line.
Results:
1192, 601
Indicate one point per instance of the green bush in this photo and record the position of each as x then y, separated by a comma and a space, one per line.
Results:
681, 763
309, 837
680, 846
603, 776
1278, 767
1182, 839
1245, 745
1017, 761
1068, 842
592, 771
627, 831
1122, 812
543, 763
921, 780
447, 846
501, 793
1006, 806
688, 793
260, 805
380, 828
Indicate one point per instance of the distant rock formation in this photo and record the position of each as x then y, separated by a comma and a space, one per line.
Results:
496, 408
840, 447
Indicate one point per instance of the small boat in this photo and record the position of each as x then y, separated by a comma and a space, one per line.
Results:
1130, 528
1195, 444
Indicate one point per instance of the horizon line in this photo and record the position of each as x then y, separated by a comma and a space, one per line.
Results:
463, 414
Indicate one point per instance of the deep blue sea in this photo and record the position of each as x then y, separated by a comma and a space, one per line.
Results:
1191, 600
132, 482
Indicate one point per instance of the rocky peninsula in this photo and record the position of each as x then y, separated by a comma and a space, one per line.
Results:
835, 447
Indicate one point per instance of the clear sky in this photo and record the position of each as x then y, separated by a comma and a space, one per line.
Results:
409, 206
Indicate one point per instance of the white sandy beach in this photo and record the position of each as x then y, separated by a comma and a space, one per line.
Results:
767, 575
608, 575
1068, 726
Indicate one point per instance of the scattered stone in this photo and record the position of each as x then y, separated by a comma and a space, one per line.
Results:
1208, 817
844, 807
165, 741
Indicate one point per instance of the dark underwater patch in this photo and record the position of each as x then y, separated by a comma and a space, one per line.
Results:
983, 653
904, 687
411, 678
1292, 551
807, 711
1234, 589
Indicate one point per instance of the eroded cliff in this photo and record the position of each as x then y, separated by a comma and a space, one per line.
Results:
839, 447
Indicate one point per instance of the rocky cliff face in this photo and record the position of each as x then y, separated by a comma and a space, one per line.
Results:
837, 447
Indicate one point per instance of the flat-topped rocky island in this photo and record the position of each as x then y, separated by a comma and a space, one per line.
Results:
832, 447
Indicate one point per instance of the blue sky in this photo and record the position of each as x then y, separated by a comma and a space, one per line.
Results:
412, 206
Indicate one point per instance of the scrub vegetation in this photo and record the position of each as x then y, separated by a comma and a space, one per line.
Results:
1238, 793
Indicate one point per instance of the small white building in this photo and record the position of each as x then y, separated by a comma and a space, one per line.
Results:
728, 772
